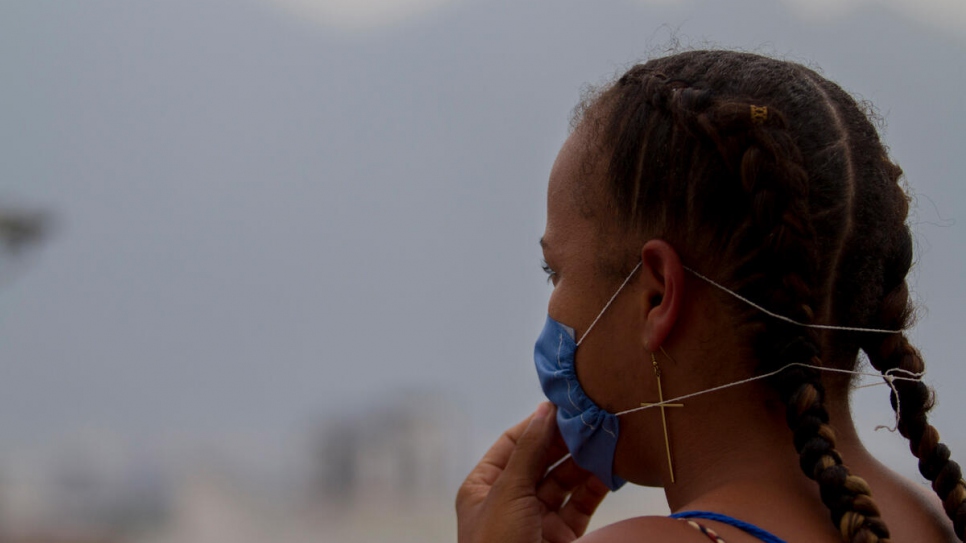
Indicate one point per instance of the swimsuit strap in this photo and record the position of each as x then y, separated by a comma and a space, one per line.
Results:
751, 529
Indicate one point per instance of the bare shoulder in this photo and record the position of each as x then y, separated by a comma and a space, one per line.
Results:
644, 530
923, 510
912, 511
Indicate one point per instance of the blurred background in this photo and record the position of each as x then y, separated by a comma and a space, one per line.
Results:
270, 271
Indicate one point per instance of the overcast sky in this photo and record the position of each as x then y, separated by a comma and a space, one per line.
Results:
272, 211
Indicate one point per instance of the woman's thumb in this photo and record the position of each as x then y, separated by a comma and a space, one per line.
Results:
528, 462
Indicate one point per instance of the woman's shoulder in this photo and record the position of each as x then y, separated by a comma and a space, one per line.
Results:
644, 530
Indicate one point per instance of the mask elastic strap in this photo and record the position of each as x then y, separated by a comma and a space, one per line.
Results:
784, 318
612, 298
888, 375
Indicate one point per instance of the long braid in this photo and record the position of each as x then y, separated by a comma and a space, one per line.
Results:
764, 226
915, 399
889, 306
776, 183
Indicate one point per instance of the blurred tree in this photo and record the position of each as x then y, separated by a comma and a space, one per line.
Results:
19, 229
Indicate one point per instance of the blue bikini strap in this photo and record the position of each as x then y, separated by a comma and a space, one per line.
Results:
767, 537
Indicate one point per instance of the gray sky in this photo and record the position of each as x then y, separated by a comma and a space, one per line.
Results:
269, 213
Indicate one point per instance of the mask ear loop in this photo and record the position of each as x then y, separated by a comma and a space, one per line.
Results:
889, 376
739, 297
783, 317
612, 298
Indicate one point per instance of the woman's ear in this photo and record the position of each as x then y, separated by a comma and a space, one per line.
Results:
662, 280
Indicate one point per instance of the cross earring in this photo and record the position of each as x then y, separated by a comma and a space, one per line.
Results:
660, 403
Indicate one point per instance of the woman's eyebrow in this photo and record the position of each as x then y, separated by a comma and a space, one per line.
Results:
543, 243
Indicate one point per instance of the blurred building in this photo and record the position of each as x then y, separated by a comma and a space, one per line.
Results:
411, 449
84, 491
388, 472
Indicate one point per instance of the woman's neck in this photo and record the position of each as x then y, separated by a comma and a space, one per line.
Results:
740, 460
735, 436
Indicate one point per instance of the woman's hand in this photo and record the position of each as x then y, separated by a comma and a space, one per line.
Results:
509, 497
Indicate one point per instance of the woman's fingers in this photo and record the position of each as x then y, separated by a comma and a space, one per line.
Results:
496, 502
528, 459
571, 521
511, 496
570, 495
558, 449
495, 460
560, 482
582, 504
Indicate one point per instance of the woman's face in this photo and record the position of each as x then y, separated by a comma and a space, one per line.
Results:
583, 254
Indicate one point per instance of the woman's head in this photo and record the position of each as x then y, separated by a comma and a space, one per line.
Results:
771, 180
758, 172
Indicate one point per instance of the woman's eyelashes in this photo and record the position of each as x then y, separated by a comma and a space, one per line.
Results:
548, 270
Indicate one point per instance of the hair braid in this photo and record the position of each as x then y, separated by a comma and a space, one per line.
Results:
915, 399
772, 174
891, 306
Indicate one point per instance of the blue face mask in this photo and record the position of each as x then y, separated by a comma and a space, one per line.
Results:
589, 431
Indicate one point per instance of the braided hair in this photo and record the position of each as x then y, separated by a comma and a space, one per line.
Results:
775, 178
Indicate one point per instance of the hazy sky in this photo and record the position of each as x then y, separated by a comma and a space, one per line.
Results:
271, 211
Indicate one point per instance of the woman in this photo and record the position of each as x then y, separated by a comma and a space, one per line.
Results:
724, 233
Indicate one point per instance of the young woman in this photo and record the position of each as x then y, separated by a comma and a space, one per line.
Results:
724, 233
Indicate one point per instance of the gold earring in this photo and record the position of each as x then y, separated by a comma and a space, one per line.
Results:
660, 403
